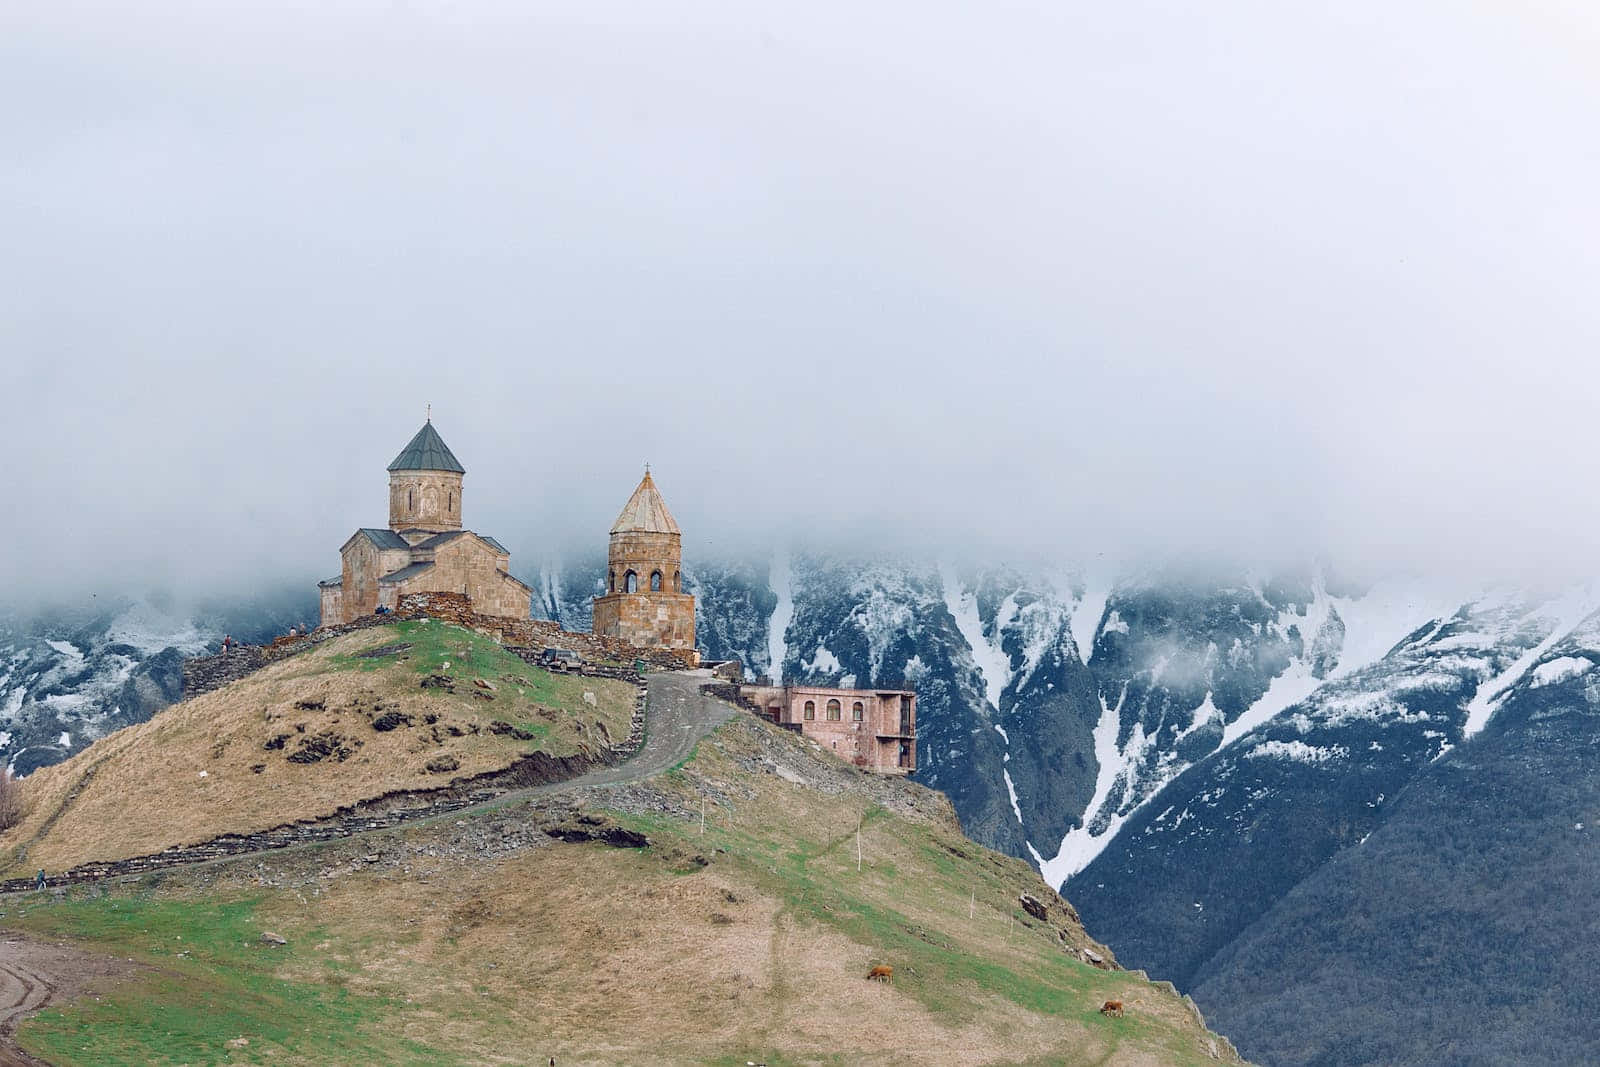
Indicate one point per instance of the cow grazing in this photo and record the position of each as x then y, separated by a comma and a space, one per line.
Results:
882, 973
1112, 1007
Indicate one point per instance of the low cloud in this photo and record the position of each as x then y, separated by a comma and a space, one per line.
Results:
1096, 285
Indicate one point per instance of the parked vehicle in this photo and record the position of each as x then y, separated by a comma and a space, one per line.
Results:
560, 659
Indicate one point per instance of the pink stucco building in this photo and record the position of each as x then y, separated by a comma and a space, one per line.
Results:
873, 728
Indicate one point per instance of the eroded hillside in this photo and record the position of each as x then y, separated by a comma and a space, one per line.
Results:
413, 706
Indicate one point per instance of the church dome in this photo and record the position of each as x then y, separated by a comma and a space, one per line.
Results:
427, 452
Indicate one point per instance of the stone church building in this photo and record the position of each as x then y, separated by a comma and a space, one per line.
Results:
423, 549
644, 603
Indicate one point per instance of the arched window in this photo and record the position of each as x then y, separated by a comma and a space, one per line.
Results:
677, 582
811, 709
833, 711
450, 503
655, 581
411, 500
630, 582
611, 581
858, 711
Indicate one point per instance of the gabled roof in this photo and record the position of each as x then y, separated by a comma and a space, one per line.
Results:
382, 538
646, 512
427, 452
439, 539
435, 540
396, 577
332, 583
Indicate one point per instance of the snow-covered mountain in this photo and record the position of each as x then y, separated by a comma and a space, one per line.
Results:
71, 675
1053, 706
1461, 877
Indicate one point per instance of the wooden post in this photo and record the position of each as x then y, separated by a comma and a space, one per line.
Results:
972, 902
858, 845
702, 815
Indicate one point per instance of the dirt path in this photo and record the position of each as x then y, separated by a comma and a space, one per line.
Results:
677, 716
33, 974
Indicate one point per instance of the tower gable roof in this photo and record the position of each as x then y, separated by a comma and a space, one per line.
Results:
427, 452
646, 512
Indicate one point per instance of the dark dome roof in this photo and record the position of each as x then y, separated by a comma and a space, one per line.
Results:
427, 452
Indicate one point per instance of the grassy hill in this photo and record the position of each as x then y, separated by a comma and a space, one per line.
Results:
741, 931
410, 706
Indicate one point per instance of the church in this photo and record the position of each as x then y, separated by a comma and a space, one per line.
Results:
644, 604
423, 549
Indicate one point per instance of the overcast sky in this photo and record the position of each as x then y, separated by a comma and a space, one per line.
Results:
1130, 278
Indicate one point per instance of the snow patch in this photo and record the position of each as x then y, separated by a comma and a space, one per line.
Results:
69, 650
1081, 845
1012, 789
780, 578
65, 740
1559, 670
1202, 715
1563, 616
994, 666
822, 662
1298, 751
1085, 622
151, 630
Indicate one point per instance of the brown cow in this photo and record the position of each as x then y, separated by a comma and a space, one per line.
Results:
1112, 1007
882, 972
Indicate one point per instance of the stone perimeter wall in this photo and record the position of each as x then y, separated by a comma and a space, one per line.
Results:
205, 673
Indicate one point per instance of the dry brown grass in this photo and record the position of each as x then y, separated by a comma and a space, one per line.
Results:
201, 768
609, 956
11, 805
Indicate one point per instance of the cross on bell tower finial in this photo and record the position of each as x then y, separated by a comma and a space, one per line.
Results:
430, 413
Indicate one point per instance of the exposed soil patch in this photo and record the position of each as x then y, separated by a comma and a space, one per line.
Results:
34, 974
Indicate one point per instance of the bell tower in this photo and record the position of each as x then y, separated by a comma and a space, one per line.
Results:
644, 603
425, 485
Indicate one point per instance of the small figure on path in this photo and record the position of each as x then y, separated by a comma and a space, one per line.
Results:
227, 643
38, 880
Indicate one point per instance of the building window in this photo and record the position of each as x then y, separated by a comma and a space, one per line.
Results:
811, 709
411, 500
655, 581
858, 711
630, 582
677, 582
833, 711
450, 502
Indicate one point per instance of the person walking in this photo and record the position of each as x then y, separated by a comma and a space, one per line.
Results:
227, 643
38, 881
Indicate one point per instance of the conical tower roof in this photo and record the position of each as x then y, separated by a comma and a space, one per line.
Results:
645, 511
427, 452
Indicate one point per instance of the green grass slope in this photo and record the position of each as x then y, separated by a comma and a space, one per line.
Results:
481, 939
